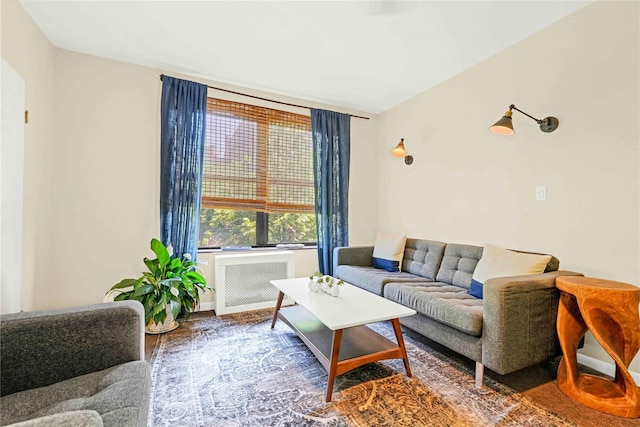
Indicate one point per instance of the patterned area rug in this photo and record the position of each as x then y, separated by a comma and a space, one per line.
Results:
395, 401
234, 370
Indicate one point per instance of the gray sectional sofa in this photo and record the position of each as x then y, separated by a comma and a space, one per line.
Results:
75, 367
512, 327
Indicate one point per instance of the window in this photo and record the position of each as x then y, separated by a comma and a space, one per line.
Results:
257, 185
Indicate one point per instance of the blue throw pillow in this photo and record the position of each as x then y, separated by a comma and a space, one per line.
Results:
475, 289
386, 264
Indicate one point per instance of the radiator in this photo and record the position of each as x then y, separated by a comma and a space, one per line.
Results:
242, 280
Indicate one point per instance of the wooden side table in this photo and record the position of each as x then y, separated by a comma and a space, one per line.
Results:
610, 311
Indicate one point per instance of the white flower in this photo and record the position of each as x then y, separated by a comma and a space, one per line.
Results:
187, 256
170, 249
174, 291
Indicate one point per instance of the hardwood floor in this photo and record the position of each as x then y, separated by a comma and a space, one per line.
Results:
150, 342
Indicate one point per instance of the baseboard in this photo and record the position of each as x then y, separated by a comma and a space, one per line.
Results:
604, 367
207, 306
211, 306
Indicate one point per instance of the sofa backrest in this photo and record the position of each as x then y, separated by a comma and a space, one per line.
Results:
451, 263
423, 257
458, 264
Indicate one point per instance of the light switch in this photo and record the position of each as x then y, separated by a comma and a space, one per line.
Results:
541, 192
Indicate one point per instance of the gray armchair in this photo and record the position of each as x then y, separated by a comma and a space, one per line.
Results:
81, 366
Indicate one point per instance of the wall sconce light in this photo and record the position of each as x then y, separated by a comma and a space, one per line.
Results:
505, 127
399, 151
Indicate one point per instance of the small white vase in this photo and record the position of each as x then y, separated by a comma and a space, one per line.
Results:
325, 287
335, 291
314, 286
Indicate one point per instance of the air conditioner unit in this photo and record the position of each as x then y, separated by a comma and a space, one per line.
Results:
242, 280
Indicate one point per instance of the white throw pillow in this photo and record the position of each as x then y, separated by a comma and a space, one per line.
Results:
499, 262
388, 251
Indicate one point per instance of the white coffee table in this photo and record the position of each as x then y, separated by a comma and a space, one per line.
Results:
333, 327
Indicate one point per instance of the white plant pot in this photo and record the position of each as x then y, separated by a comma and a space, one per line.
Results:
335, 291
169, 324
315, 287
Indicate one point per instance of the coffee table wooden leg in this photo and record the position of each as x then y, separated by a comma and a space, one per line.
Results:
398, 331
275, 312
333, 362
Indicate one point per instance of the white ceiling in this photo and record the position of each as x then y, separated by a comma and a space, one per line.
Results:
368, 56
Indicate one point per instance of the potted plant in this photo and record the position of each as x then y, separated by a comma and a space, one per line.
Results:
327, 284
314, 281
170, 287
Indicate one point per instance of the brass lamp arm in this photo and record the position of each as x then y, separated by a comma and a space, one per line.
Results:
548, 124
513, 107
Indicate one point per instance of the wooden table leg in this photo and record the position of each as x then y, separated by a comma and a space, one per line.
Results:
333, 362
398, 331
275, 312
571, 328
609, 310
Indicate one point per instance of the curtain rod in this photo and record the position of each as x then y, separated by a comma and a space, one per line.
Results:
268, 100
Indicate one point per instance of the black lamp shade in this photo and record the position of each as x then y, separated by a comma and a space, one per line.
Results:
504, 126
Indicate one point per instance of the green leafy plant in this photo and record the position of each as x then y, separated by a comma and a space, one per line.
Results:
320, 278
170, 281
316, 277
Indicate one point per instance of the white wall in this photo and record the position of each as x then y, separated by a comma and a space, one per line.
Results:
30, 54
107, 157
468, 185
12, 120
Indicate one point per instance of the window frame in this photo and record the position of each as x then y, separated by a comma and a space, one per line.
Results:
262, 217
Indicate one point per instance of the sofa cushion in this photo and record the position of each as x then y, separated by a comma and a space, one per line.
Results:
388, 251
423, 257
500, 262
119, 394
372, 279
446, 303
458, 264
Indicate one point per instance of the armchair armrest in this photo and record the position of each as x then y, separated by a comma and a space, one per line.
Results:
519, 320
352, 255
40, 348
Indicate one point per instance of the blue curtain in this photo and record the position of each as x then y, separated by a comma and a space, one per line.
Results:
331, 149
183, 114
